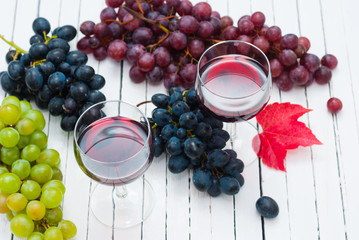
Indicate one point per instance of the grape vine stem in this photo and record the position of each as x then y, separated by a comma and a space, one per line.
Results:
11, 43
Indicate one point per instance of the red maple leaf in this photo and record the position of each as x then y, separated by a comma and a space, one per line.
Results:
281, 131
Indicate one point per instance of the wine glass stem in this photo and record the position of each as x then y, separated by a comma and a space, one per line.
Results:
232, 130
121, 191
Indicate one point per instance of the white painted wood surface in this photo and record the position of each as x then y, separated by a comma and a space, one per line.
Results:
318, 195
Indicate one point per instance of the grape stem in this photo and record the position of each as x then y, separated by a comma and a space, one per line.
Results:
140, 16
144, 102
139, 6
11, 43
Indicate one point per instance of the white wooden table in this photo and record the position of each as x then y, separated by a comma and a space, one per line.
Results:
318, 195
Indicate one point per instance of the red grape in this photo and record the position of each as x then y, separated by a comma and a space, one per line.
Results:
274, 33
108, 14
178, 40
100, 53
188, 24
217, 25
136, 75
276, 67
146, 62
155, 75
196, 47
258, 19
231, 33
289, 41
334, 105
305, 42
329, 61
215, 14
114, 3
142, 35
226, 21
117, 50
283, 82
171, 80
310, 61
162, 56
299, 75
287, 57
134, 52
87, 28
245, 26
262, 43
84, 45
202, 11
184, 8
322, 75
131, 22
205, 29
188, 74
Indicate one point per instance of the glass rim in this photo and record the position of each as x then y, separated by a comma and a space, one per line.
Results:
149, 131
268, 78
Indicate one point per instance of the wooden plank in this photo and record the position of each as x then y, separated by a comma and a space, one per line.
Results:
344, 87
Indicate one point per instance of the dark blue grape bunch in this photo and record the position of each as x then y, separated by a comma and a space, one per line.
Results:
49, 73
193, 139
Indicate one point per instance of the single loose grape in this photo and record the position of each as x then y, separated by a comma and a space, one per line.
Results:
21, 225
55, 184
35, 210
9, 137
16, 202
41, 173
9, 183
68, 229
334, 105
9, 114
30, 189
51, 197
22, 168
53, 233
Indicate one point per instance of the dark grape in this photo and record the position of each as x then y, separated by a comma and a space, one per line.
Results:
267, 207
41, 25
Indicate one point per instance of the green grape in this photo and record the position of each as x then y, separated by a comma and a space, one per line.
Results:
25, 126
56, 184
21, 225
31, 152
35, 210
11, 100
3, 205
2, 125
51, 197
37, 117
9, 183
56, 174
22, 168
9, 215
68, 229
9, 114
24, 107
53, 233
49, 156
36, 236
38, 138
16, 202
19, 212
30, 189
3, 169
9, 155
53, 215
41, 173
9, 137
24, 140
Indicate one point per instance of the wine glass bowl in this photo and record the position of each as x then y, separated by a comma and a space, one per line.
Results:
113, 146
233, 80
233, 85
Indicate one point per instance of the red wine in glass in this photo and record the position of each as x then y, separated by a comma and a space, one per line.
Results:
112, 150
233, 87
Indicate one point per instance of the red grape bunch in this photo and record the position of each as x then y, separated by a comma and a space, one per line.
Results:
163, 40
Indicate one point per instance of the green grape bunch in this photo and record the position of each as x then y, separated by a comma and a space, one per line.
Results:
31, 187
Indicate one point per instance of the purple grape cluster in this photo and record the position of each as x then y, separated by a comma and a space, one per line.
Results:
195, 140
55, 77
163, 40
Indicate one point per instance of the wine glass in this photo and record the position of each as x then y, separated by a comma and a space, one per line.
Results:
113, 146
233, 84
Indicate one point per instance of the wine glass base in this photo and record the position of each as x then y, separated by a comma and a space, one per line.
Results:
122, 206
242, 135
